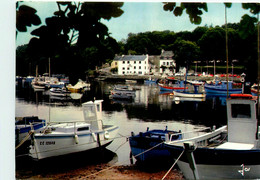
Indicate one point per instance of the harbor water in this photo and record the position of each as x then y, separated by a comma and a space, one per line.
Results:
151, 108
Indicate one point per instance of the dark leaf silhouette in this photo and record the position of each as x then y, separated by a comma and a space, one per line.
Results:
26, 17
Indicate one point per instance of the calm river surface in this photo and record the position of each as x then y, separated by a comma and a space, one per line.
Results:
151, 108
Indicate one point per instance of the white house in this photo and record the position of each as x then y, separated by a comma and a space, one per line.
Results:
167, 64
132, 64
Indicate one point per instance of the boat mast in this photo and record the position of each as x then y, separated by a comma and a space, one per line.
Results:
258, 51
49, 84
36, 72
49, 67
226, 47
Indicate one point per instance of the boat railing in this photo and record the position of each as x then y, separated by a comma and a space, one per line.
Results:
196, 135
47, 130
187, 134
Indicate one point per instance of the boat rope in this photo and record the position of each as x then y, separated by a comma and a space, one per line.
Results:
123, 161
121, 145
149, 149
129, 159
173, 165
106, 169
124, 143
21, 155
121, 136
25, 139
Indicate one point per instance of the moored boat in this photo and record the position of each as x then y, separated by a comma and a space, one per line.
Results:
254, 90
23, 125
172, 84
76, 136
60, 92
226, 153
123, 92
195, 82
150, 81
220, 87
189, 94
148, 147
80, 86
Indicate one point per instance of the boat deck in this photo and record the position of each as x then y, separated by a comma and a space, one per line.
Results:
233, 145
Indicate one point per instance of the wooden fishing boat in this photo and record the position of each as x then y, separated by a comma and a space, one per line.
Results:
123, 92
224, 153
148, 147
220, 87
60, 92
189, 94
171, 84
23, 125
76, 136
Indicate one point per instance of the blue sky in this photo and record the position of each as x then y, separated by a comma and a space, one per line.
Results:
145, 16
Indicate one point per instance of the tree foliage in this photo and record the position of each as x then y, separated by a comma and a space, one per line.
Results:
25, 17
76, 40
74, 37
185, 52
194, 10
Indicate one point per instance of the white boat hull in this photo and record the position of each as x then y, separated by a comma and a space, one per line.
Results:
220, 171
189, 95
50, 145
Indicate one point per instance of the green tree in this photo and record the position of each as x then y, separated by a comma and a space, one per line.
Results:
185, 52
194, 10
75, 30
212, 44
198, 32
150, 42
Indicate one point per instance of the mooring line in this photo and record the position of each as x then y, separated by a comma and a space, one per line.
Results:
121, 145
26, 137
173, 165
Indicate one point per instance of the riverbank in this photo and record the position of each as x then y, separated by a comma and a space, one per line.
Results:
141, 79
105, 171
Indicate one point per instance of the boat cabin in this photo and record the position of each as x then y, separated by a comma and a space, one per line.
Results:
93, 114
78, 128
242, 121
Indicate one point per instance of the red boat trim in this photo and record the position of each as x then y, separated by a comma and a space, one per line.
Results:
246, 96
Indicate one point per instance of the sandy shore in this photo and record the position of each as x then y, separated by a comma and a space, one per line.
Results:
96, 164
104, 171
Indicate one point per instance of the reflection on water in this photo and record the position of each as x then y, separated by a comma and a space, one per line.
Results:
150, 108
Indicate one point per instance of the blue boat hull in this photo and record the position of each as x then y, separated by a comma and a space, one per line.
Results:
149, 146
216, 90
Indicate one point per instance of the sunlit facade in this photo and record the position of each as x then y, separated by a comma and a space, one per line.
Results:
132, 64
